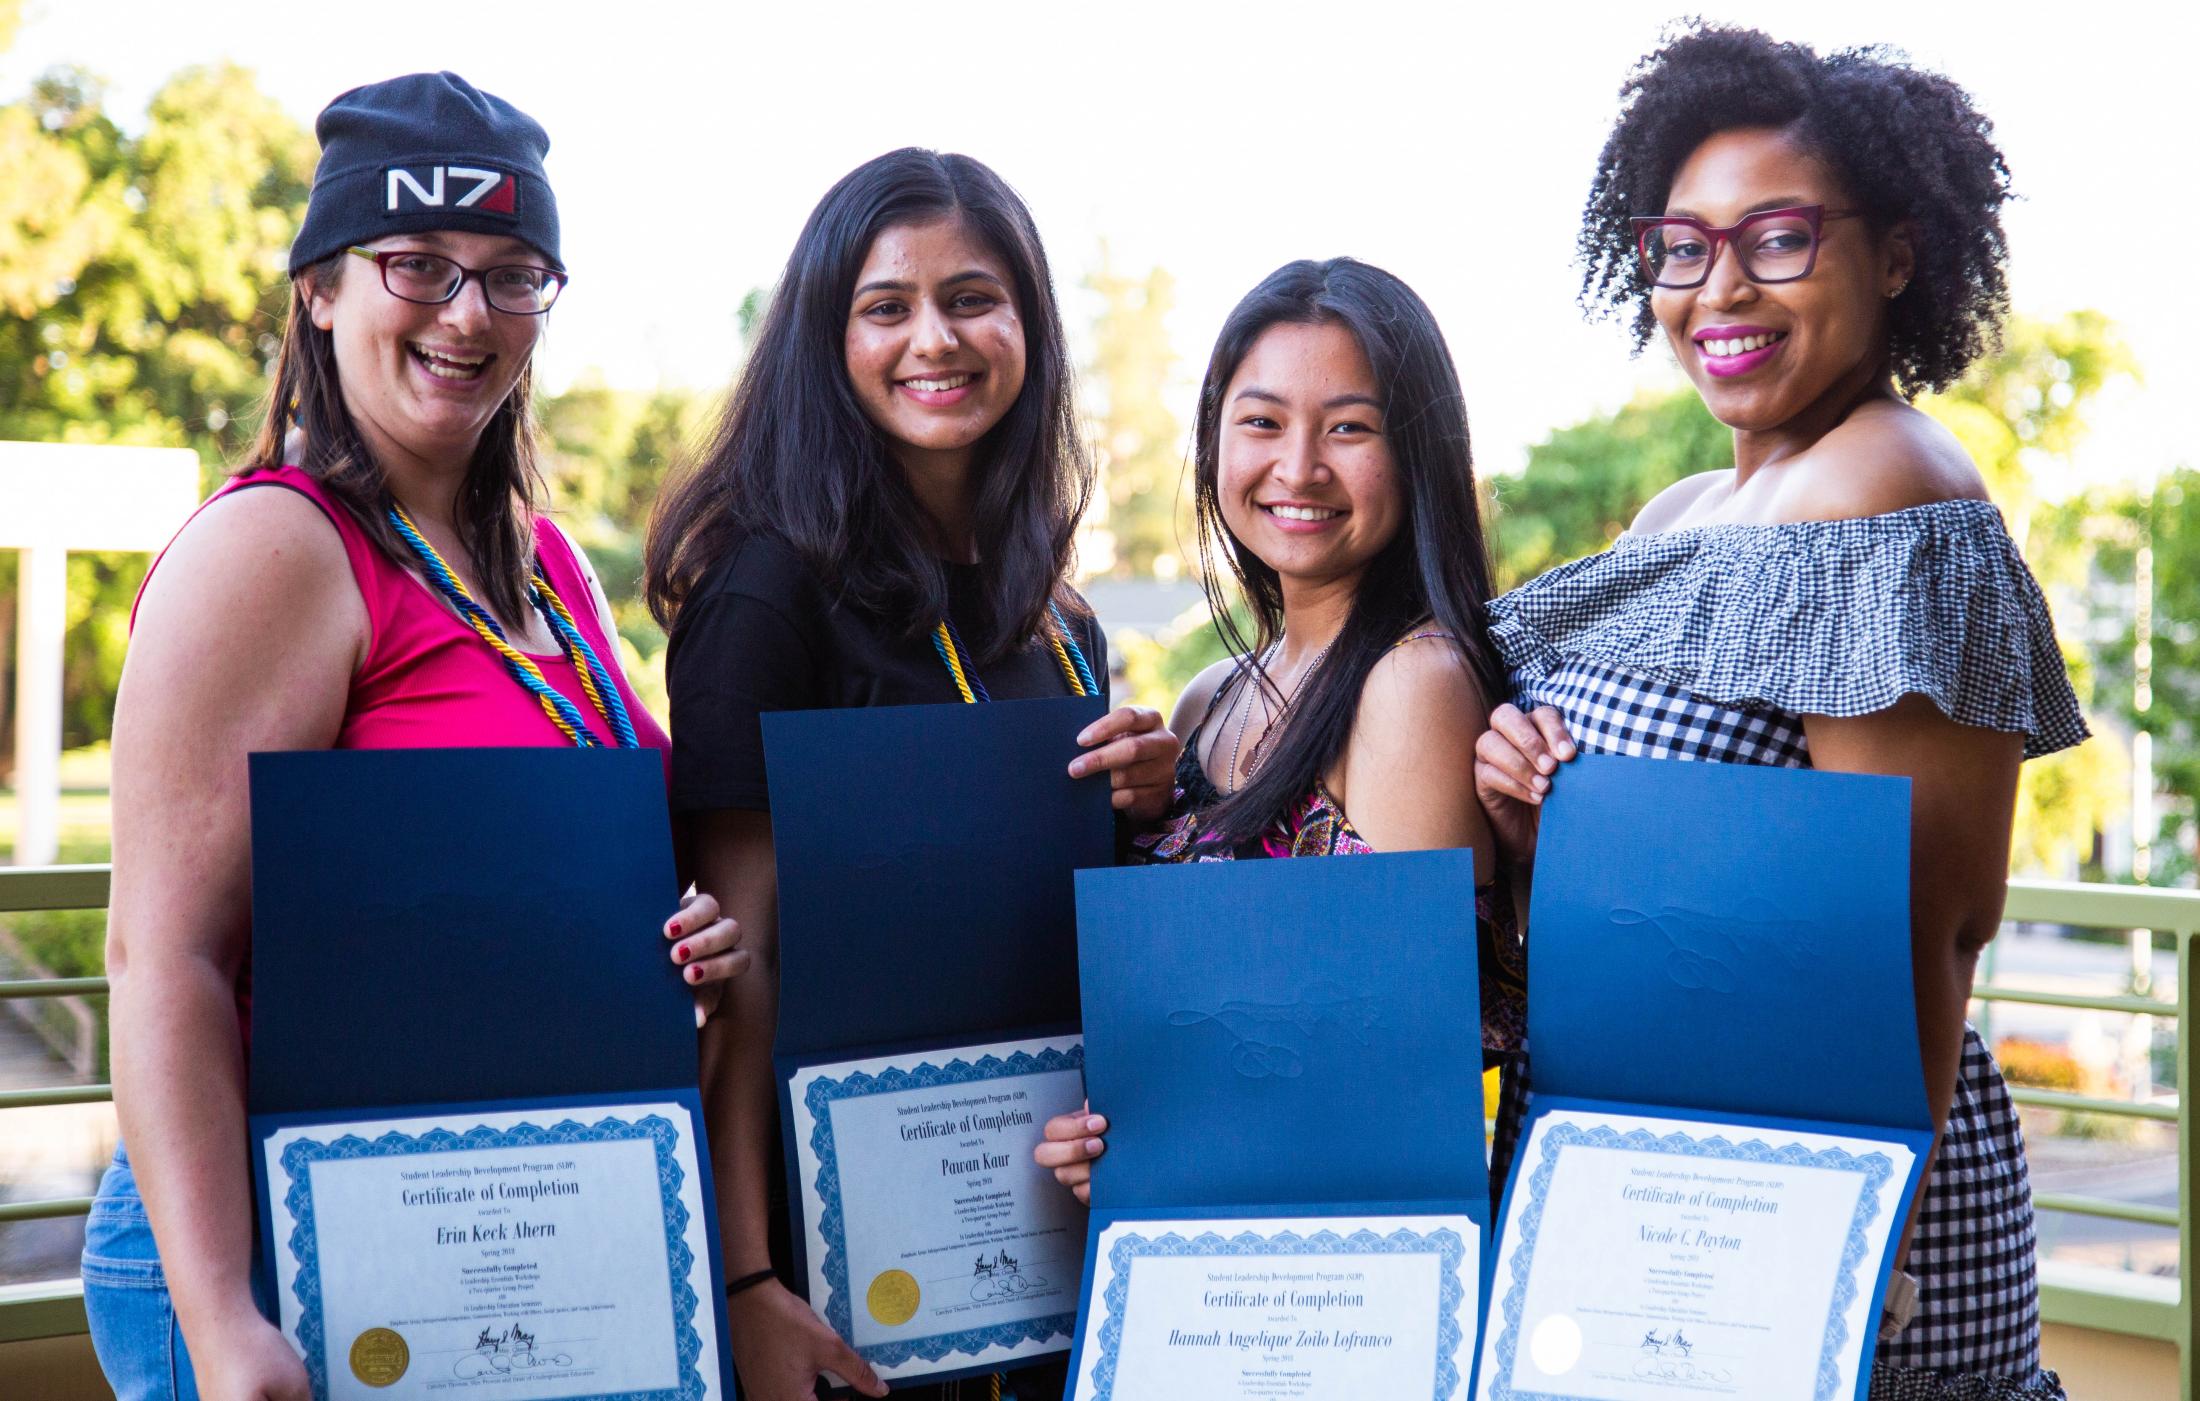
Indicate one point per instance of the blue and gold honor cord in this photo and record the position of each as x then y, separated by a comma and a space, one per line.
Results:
602, 692
962, 667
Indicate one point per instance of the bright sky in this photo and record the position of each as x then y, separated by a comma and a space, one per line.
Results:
1450, 143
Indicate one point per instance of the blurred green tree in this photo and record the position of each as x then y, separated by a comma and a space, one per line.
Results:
2150, 676
1584, 483
142, 281
1143, 525
2027, 403
608, 452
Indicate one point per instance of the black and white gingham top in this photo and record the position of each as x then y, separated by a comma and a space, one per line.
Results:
1710, 643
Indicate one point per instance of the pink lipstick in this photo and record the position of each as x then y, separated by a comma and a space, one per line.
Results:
1728, 351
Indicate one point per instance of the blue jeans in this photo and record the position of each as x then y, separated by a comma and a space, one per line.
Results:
133, 1321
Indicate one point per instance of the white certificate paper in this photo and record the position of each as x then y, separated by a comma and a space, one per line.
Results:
1281, 1309
1655, 1259
935, 1242
515, 1254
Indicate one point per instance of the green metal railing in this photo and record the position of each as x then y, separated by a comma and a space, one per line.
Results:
2133, 1305
50, 1309
2129, 1305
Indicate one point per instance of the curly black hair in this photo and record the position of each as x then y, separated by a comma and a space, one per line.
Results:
1906, 145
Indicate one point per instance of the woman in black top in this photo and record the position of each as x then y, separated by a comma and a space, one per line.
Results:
884, 518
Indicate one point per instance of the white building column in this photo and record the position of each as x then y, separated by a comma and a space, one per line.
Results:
54, 498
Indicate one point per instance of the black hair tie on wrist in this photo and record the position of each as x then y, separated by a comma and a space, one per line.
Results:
749, 1281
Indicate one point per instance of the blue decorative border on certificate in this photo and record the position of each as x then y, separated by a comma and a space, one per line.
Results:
838, 1308
301, 1153
1450, 1250
1875, 1168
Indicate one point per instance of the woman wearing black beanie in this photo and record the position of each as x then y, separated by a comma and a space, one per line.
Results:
401, 589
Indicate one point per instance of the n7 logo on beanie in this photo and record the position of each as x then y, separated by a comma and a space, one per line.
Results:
490, 191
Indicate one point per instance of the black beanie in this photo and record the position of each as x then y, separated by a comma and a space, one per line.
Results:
421, 152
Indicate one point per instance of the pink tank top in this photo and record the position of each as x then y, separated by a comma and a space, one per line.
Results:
428, 680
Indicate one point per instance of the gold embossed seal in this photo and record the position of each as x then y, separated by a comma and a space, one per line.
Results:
893, 1297
379, 1356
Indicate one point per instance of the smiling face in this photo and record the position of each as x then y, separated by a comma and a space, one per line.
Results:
935, 343
424, 381
1763, 355
1304, 474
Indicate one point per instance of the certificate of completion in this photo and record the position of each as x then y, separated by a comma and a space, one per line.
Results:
1648, 1259
935, 1242
1307, 1308
516, 1253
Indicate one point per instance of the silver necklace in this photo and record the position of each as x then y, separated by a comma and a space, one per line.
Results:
1276, 719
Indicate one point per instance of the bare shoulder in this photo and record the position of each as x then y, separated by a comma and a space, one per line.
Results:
267, 526
266, 563
1887, 456
1407, 773
1423, 692
1668, 507
1191, 707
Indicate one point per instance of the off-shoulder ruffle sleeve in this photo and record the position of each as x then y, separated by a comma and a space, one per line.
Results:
1839, 617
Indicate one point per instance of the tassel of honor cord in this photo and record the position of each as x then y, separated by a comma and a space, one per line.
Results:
962, 667
602, 693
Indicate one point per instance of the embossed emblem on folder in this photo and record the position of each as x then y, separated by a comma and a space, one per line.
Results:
1274, 1039
1709, 951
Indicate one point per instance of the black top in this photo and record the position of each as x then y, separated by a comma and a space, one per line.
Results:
763, 632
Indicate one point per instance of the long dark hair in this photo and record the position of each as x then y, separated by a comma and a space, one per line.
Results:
498, 500
1437, 567
795, 455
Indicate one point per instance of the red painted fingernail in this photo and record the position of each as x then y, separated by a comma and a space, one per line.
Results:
680, 954
672, 930
695, 975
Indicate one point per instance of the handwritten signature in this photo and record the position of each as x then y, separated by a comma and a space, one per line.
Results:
506, 1354
1680, 1369
1000, 1278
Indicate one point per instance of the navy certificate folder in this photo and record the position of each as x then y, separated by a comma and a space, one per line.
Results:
1726, 938
463, 938
1289, 1056
927, 1015
432, 925
925, 856
1264, 1032
1719, 962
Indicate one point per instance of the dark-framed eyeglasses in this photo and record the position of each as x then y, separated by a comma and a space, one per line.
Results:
1773, 245
432, 279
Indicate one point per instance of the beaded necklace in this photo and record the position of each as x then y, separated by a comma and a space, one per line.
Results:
602, 693
962, 667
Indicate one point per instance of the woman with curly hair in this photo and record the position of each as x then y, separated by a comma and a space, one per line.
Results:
1819, 239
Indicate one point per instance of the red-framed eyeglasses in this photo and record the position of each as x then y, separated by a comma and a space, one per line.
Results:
1773, 245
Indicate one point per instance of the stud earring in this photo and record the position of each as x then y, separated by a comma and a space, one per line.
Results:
1900, 288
